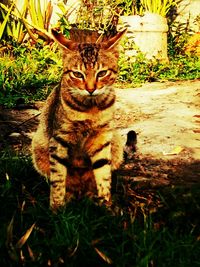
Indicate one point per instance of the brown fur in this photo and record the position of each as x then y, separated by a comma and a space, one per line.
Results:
75, 145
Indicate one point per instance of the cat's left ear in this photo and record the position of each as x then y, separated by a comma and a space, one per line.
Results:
62, 41
114, 41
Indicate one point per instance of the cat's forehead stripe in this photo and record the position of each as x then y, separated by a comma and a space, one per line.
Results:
89, 53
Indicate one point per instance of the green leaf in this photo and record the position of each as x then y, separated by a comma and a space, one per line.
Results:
3, 25
40, 15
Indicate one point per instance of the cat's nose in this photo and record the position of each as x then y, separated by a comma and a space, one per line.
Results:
90, 85
91, 90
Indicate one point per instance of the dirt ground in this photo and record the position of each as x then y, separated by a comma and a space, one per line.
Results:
166, 118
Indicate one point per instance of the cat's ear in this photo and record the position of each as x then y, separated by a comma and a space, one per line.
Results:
114, 41
63, 41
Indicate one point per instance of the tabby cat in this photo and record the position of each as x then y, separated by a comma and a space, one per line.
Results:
75, 139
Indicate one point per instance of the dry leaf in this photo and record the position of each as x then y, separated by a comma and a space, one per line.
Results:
9, 242
7, 177
96, 241
103, 256
23, 205
196, 131
10, 232
22, 256
25, 237
174, 151
61, 260
31, 254
72, 252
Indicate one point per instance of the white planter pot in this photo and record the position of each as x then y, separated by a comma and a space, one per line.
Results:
149, 33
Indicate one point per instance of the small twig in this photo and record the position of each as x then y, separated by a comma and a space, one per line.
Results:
139, 197
22, 123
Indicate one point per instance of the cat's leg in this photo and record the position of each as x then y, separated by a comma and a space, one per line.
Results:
40, 152
58, 156
117, 150
100, 154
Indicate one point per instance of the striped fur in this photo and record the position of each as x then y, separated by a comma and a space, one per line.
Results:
75, 145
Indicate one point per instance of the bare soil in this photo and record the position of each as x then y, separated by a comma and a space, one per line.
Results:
166, 117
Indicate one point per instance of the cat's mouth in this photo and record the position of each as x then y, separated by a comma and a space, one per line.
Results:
90, 100
96, 99
93, 96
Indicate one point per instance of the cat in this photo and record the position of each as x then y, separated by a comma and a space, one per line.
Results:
76, 141
130, 147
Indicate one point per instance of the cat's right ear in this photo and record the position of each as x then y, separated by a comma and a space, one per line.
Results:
113, 41
63, 41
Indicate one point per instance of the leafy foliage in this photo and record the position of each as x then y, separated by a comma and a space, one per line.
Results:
28, 74
160, 7
136, 70
16, 23
140, 7
5, 20
98, 15
15, 28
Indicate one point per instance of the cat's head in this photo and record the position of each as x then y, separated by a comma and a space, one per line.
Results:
89, 68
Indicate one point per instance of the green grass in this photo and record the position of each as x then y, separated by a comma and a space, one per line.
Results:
86, 234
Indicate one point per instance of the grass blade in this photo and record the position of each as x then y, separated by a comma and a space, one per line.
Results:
103, 256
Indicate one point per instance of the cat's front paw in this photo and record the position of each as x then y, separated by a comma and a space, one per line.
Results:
57, 204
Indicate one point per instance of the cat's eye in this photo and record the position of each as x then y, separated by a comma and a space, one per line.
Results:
78, 74
101, 73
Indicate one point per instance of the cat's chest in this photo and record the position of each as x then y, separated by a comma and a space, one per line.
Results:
93, 119
79, 126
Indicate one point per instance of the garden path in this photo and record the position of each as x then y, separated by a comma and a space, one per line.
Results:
166, 117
